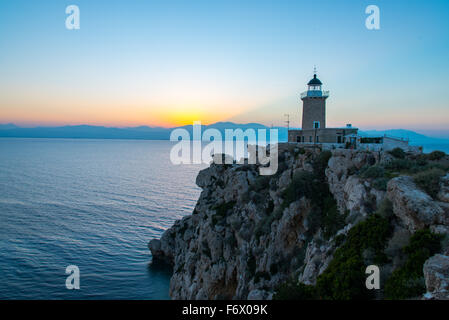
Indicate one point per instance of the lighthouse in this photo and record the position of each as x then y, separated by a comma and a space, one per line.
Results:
314, 105
313, 125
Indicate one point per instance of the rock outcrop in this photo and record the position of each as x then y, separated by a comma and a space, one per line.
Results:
249, 233
443, 195
436, 274
414, 207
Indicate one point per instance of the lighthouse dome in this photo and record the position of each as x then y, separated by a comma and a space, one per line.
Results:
315, 81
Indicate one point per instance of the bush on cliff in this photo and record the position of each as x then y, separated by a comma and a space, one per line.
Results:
261, 183
436, 155
407, 281
429, 181
320, 164
397, 153
344, 278
302, 184
400, 165
373, 172
292, 290
221, 211
324, 211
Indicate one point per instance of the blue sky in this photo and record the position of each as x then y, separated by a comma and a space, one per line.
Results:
172, 62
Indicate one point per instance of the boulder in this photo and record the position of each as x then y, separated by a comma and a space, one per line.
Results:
436, 274
443, 195
415, 208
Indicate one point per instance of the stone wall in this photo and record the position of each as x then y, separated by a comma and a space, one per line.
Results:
314, 109
327, 135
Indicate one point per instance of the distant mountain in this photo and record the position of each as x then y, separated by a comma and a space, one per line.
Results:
86, 132
140, 133
7, 126
159, 133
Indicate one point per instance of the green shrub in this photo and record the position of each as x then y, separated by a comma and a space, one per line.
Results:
293, 290
397, 153
261, 183
444, 243
385, 209
380, 184
436, 155
344, 278
320, 163
223, 208
221, 211
302, 184
407, 281
429, 181
332, 219
373, 172
399, 165
264, 226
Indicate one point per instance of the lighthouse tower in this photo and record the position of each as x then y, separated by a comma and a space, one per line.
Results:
314, 105
314, 130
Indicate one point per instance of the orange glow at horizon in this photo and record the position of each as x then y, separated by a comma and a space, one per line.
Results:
166, 116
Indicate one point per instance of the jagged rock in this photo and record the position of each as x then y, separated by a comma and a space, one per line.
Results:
285, 179
439, 229
443, 195
244, 240
355, 195
155, 247
436, 274
415, 208
348, 190
316, 260
258, 295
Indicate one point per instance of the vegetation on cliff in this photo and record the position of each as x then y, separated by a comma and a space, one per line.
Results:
310, 230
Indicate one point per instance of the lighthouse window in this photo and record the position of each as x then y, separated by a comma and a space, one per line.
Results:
316, 124
310, 138
317, 139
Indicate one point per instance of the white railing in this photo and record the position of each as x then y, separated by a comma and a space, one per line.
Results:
315, 93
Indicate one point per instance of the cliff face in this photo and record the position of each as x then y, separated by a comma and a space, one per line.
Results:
249, 234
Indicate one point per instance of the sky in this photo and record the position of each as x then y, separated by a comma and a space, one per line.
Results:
169, 63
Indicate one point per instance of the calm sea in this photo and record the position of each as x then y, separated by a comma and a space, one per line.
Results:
90, 203
94, 204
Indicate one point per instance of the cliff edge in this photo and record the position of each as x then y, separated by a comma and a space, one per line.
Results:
310, 230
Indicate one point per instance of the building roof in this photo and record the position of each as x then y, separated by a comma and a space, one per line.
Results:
315, 81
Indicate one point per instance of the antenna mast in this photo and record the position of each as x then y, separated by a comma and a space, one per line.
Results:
287, 121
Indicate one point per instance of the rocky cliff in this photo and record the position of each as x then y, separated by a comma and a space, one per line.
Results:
310, 230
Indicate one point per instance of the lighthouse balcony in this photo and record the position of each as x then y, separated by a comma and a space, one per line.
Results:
315, 94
